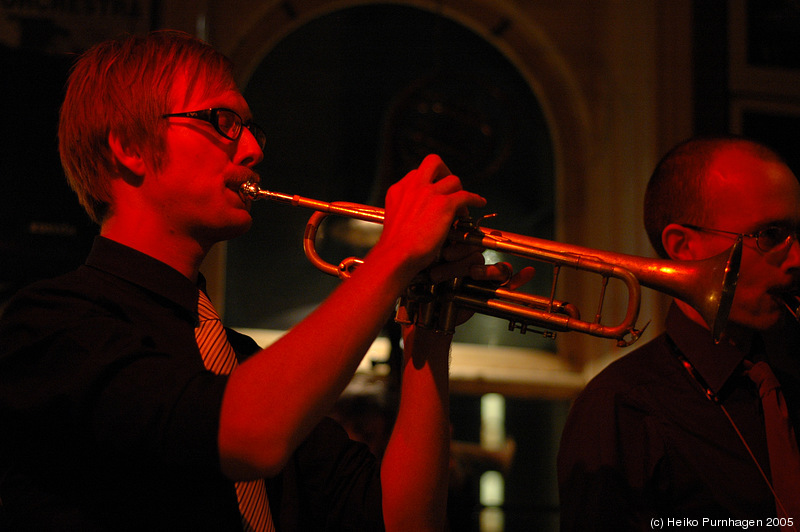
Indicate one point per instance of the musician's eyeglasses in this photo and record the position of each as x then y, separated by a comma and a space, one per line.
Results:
767, 239
228, 123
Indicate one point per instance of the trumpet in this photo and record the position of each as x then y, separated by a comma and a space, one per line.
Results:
792, 303
707, 285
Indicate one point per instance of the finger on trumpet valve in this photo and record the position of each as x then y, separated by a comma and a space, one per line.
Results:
507, 272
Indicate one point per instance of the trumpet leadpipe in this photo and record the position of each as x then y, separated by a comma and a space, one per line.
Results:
253, 192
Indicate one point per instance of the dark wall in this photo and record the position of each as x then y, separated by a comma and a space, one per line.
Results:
772, 42
43, 229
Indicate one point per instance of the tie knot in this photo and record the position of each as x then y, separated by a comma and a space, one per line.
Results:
205, 310
761, 374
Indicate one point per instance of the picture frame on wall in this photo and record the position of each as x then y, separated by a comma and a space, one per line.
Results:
764, 47
773, 123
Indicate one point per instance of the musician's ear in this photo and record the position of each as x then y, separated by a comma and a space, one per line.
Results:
126, 156
681, 243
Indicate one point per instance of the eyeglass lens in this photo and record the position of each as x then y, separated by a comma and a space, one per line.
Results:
228, 123
773, 237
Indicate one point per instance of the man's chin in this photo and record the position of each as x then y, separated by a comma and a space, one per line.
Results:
763, 322
783, 311
229, 231
240, 229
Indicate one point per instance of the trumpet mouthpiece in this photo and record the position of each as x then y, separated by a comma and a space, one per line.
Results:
251, 191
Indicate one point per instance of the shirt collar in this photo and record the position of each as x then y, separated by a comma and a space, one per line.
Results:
715, 363
146, 272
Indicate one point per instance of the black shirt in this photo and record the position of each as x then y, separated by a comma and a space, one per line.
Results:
110, 419
643, 441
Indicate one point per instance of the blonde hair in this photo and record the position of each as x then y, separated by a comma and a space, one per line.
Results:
123, 86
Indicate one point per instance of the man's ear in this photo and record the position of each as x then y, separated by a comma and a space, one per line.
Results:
126, 155
679, 242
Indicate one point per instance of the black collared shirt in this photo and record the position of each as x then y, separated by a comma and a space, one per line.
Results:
109, 419
643, 441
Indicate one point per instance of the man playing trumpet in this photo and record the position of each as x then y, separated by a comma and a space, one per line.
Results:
675, 433
119, 406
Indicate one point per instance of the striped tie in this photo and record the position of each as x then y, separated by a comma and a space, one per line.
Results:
218, 357
784, 457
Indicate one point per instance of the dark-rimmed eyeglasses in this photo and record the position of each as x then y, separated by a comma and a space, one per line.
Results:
228, 123
767, 239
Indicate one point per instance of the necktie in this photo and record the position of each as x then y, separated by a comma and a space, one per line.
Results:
218, 357
784, 457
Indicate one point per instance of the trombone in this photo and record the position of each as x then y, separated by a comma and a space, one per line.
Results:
707, 285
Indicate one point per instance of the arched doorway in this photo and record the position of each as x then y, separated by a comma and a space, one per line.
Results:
352, 100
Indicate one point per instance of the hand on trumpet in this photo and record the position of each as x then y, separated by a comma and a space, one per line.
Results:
460, 261
420, 210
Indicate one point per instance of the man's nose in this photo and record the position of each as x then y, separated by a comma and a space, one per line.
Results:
249, 152
792, 259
